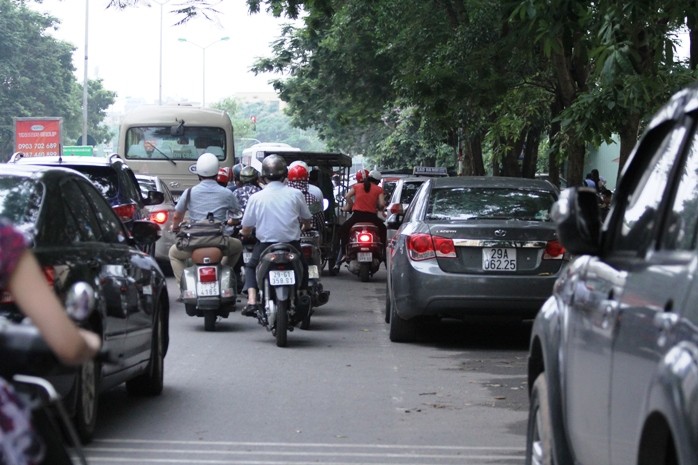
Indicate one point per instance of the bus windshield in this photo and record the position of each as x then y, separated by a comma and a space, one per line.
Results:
153, 142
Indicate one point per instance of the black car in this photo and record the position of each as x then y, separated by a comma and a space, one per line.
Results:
613, 359
76, 236
114, 179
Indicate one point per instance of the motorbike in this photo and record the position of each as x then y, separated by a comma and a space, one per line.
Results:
27, 361
310, 248
208, 287
364, 251
283, 304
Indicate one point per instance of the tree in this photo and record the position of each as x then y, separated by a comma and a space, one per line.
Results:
98, 100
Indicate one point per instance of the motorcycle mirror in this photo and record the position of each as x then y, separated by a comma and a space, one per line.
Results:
80, 301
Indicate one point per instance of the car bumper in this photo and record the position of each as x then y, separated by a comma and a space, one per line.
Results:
423, 289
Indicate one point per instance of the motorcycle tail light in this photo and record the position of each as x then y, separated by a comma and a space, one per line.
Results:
207, 274
159, 217
554, 251
365, 237
125, 212
307, 252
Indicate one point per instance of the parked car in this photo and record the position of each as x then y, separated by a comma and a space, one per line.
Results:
613, 359
472, 248
162, 214
114, 179
77, 236
403, 193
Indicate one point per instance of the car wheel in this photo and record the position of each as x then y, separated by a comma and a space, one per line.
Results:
151, 382
85, 419
387, 304
401, 330
538, 438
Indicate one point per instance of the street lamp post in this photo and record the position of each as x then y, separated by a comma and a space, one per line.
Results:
203, 59
161, 3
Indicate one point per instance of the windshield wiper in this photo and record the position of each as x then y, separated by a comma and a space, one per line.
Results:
163, 154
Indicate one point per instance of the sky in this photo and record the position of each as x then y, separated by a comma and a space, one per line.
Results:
123, 48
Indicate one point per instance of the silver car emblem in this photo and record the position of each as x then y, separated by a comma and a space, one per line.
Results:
500, 232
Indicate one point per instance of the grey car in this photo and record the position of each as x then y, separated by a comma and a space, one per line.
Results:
613, 360
472, 247
162, 214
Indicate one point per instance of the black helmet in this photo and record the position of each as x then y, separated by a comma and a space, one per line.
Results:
236, 171
248, 175
274, 168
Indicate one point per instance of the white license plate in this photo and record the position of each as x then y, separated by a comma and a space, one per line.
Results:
282, 278
364, 257
246, 257
499, 259
207, 289
313, 272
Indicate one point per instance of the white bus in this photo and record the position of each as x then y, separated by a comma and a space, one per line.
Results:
255, 154
166, 141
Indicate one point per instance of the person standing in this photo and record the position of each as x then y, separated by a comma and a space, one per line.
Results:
273, 213
204, 198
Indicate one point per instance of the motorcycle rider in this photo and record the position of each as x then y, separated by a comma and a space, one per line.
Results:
273, 213
204, 198
298, 179
312, 188
249, 185
364, 199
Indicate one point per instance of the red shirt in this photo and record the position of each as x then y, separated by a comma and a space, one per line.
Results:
366, 201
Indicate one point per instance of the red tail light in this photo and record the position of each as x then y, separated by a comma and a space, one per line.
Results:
396, 209
554, 251
207, 274
159, 217
426, 246
125, 212
307, 252
365, 237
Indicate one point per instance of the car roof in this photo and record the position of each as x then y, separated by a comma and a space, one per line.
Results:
491, 181
37, 171
68, 160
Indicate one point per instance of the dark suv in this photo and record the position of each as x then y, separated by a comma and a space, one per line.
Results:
113, 178
613, 359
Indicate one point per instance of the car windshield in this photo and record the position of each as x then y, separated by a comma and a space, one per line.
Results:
149, 142
20, 201
469, 203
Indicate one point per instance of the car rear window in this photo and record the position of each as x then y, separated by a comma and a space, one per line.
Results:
105, 179
20, 201
409, 189
468, 203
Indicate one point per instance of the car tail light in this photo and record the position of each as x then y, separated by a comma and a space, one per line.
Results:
554, 251
395, 209
207, 274
426, 246
159, 216
125, 212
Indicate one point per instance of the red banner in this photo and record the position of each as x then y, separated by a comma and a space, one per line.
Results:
38, 137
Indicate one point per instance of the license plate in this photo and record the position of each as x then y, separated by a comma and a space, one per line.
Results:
313, 272
282, 278
364, 257
207, 289
246, 257
499, 259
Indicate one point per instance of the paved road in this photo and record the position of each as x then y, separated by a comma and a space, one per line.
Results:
340, 393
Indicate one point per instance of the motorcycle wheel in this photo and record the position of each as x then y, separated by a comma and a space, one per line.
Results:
281, 331
364, 272
210, 321
85, 418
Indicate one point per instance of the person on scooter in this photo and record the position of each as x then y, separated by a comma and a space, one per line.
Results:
204, 198
364, 199
273, 213
249, 184
19, 274
312, 188
298, 179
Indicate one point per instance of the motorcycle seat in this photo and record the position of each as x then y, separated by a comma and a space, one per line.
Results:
213, 254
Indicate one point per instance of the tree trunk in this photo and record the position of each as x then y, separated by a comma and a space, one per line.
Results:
575, 162
628, 139
530, 153
474, 162
510, 160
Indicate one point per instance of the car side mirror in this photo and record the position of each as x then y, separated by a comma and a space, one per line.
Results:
145, 232
576, 214
154, 198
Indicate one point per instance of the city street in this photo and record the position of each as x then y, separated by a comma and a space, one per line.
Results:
340, 393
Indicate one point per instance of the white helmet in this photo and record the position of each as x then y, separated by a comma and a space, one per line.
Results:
207, 165
375, 174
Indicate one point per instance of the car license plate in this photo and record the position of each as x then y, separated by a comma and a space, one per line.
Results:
313, 272
207, 289
282, 278
364, 257
499, 259
246, 257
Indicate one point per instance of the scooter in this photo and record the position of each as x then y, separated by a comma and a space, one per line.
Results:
208, 288
310, 248
365, 250
25, 363
283, 305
